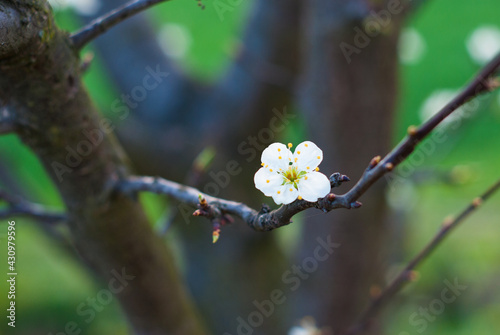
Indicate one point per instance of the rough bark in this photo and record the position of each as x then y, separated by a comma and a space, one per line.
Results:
355, 102
40, 82
182, 116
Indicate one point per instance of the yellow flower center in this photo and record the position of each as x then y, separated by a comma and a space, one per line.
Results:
291, 174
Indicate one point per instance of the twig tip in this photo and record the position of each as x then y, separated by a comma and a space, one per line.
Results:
412, 130
203, 201
448, 221
374, 162
477, 202
413, 275
215, 231
492, 84
356, 204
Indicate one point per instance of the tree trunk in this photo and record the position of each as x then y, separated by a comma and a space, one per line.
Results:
350, 102
40, 84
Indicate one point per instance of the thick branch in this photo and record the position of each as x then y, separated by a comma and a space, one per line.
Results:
17, 206
42, 87
100, 25
407, 274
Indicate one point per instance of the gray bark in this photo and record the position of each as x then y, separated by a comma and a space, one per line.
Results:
40, 83
355, 102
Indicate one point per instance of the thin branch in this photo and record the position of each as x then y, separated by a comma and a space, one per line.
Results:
266, 219
100, 25
482, 83
185, 194
17, 206
407, 274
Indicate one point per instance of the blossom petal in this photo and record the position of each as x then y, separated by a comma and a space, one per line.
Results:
285, 194
307, 156
276, 156
313, 186
268, 182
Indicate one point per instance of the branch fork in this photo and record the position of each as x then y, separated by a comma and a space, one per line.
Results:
215, 215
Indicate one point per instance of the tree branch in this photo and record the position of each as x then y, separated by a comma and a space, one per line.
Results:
100, 25
17, 206
480, 84
407, 274
266, 220
110, 233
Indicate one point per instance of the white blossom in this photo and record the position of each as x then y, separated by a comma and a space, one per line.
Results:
285, 176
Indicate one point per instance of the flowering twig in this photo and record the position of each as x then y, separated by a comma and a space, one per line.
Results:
17, 206
100, 25
407, 274
266, 220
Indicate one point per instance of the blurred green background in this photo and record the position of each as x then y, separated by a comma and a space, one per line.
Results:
435, 59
